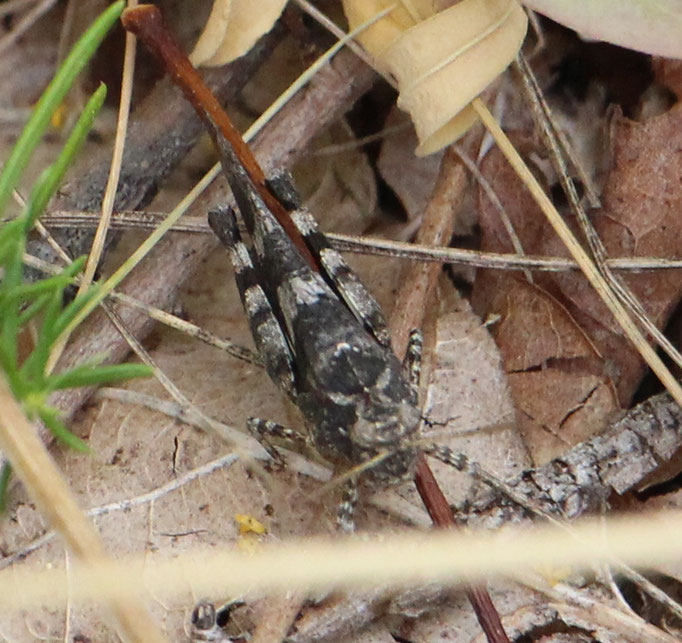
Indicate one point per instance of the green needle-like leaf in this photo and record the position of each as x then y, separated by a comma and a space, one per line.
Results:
91, 375
52, 177
43, 300
26, 292
34, 366
49, 416
31, 311
5, 475
9, 319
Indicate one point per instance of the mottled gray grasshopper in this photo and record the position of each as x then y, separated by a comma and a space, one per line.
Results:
320, 335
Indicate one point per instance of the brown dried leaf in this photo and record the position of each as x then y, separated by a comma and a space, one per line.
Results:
641, 199
561, 394
411, 178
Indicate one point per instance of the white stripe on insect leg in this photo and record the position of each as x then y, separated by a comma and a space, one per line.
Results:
346, 511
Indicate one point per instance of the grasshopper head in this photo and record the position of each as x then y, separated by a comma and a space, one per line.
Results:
385, 426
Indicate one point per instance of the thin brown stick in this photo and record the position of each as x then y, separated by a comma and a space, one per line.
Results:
441, 514
147, 23
436, 229
416, 289
148, 220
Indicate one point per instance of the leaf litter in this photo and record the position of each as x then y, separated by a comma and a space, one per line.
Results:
136, 451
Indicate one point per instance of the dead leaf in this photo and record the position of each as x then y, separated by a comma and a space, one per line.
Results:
443, 59
411, 178
233, 28
651, 26
342, 185
641, 200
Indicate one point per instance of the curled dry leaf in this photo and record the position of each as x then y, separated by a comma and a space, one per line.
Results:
441, 60
233, 28
651, 26
213, 33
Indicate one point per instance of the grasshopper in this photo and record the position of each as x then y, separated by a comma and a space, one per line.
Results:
321, 335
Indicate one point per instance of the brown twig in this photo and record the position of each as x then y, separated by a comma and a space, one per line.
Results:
441, 514
147, 23
417, 286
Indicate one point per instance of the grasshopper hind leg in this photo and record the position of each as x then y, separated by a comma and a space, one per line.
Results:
271, 343
345, 514
336, 272
341, 278
412, 364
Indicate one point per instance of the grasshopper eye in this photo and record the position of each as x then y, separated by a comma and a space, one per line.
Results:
386, 431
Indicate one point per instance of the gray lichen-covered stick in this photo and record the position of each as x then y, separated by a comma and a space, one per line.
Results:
584, 478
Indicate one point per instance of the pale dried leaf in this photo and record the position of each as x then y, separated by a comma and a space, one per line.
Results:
468, 393
213, 33
651, 26
441, 61
233, 28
